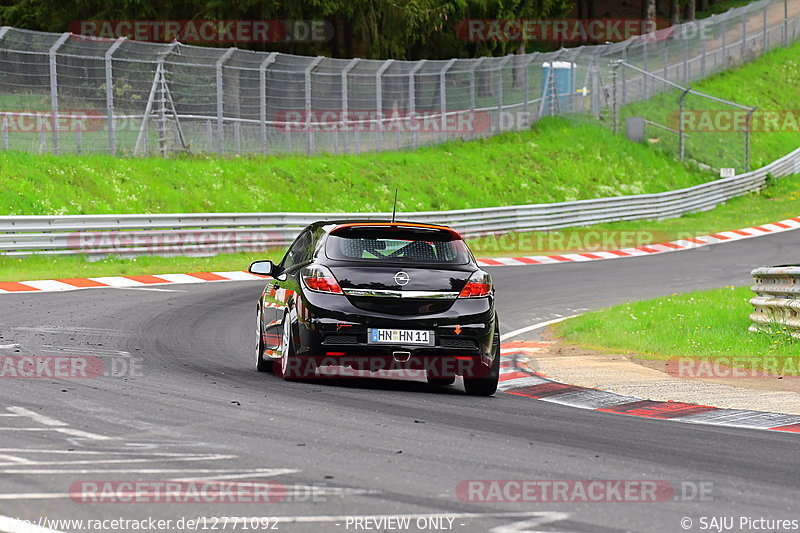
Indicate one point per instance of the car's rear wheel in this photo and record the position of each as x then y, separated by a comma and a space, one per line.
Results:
261, 365
487, 385
289, 367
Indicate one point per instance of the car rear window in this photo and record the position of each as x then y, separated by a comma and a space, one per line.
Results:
397, 245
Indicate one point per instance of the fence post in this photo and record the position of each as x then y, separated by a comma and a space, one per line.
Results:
54, 88
681, 135
765, 38
307, 91
685, 59
646, 68
262, 97
443, 96
747, 126
220, 101
3, 32
744, 36
112, 127
79, 138
527, 88
412, 99
705, 49
615, 64
472, 82
786, 22
503, 62
724, 44
345, 100
379, 98
623, 83
666, 60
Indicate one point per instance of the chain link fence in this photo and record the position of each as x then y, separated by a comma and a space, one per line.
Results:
63, 93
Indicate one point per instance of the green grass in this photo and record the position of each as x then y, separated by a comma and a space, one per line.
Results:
709, 325
558, 160
50, 267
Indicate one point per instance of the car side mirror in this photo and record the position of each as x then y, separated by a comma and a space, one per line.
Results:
263, 268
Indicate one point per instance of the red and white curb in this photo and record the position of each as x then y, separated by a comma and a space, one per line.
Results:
650, 249
518, 380
71, 284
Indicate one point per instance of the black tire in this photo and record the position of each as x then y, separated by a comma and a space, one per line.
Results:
289, 367
261, 364
441, 381
486, 386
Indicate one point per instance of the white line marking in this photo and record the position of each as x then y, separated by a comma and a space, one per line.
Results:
265, 473
83, 434
12, 459
26, 429
120, 461
199, 456
81, 350
8, 346
36, 417
59, 471
56, 425
11, 525
533, 327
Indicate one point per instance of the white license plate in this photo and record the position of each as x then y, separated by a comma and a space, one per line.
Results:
400, 336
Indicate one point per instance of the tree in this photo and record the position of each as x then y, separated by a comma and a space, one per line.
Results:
648, 9
689, 10
674, 12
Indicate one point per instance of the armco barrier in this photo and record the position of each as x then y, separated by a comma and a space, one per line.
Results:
212, 233
777, 300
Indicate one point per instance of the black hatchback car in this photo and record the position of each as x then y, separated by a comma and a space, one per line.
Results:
374, 295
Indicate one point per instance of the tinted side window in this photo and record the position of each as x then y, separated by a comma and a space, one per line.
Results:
299, 252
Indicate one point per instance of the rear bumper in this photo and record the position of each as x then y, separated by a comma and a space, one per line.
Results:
333, 332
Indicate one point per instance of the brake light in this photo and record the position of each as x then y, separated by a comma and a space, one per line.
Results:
479, 284
318, 278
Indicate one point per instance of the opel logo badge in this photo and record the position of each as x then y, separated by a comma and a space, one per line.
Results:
402, 278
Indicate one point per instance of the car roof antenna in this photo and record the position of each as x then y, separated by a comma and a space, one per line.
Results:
394, 207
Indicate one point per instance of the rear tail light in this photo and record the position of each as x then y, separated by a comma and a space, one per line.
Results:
479, 284
319, 279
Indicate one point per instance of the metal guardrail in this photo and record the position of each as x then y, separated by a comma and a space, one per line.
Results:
213, 233
777, 300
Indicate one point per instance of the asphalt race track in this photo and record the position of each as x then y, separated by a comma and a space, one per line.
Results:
362, 448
